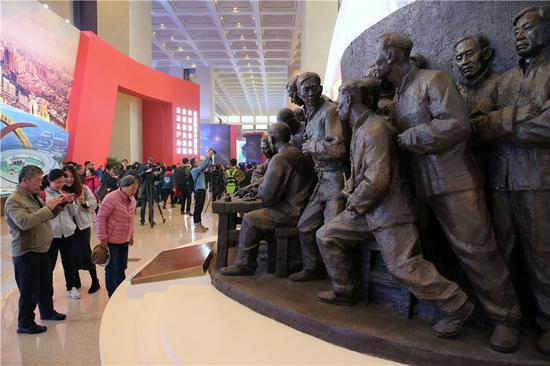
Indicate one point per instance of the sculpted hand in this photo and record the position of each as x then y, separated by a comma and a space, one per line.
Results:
526, 112
308, 147
403, 140
52, 203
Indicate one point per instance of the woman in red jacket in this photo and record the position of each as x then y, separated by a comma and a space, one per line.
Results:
115, 229
91, 180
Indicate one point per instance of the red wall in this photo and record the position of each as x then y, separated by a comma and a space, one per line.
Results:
101, 71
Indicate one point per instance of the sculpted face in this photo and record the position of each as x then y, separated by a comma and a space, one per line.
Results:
292, 92
310, 92
266, 150
344, 105
382, 64
530, 34
469, 59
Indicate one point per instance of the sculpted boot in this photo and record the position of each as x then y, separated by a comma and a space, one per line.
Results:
543, 343
311, 259
330, 297
450, 325
236, 270
504, 339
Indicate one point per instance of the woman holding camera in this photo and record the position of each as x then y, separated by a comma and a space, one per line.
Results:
63, 228
86, 204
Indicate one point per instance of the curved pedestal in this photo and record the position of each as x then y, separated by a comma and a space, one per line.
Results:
371, 329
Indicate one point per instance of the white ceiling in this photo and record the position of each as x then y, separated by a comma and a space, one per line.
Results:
249, 44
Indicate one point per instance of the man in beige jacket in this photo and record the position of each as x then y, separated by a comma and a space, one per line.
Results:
27, 217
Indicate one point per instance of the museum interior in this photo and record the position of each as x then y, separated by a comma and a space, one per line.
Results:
275, 182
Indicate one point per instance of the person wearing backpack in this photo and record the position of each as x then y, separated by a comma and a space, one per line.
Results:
167, 187
233, 177
199, 184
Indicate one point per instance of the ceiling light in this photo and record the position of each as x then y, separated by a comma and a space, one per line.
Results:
235, 10
172, 38
242, 37
180, 48
67, 21
193, 66
162, 25
187, 57
238, 25
46, 6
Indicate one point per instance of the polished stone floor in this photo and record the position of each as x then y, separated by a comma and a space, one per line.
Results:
76, 340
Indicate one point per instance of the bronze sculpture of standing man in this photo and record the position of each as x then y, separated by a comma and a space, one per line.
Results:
434, 131
519, 169
328, 145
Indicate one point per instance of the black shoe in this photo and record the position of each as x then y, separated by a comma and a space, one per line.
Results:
95, 286
153, 224
450, 325
142, 223
330, 297
33, 329
55, 316
504, 339
182, 212
236, 270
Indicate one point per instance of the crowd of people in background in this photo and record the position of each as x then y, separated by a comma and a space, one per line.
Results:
52, 215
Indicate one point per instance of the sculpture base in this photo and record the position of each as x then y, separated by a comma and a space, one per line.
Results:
371, 329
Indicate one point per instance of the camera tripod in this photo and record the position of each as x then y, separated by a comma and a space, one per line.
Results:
151, 199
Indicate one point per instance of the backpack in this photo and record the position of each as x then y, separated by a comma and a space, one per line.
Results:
231, 182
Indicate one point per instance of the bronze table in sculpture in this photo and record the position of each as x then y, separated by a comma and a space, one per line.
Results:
226, 231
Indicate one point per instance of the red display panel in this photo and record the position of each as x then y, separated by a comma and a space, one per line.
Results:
102, 71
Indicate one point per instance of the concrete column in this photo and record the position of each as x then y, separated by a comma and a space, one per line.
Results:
126, 25
205, 78
317, 27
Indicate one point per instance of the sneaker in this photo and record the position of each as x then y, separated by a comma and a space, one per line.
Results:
204, 227
73, 294
450, 325
33, 329
200, 229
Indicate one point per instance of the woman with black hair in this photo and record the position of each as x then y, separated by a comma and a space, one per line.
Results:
63, 228
86, 204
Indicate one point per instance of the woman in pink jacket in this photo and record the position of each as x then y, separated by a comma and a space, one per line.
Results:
115, 229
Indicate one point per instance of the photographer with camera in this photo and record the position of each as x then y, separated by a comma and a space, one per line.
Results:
148, 173
197, 173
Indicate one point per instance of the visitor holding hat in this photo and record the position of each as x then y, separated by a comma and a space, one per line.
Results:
115, 229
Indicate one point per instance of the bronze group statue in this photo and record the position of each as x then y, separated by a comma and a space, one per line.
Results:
379, 205
345, 182
328, 145
286, 187
519, 167
434, 129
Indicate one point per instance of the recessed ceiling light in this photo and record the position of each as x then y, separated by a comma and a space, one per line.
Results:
46, 6
187, 57
235, 10
172, 37
238, 25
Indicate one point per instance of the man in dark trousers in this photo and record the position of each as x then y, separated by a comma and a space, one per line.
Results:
284, 191
328, 145
519, 167
184, 185
379, 205
434, 130
27, 217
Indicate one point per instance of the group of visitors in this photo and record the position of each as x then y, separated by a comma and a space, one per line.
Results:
52, 214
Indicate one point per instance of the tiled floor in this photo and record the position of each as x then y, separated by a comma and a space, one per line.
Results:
76, 340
